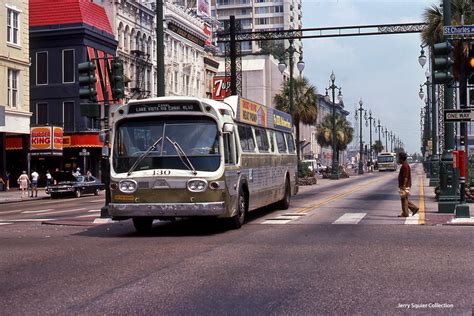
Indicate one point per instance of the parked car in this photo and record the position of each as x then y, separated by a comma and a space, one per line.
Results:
67, 184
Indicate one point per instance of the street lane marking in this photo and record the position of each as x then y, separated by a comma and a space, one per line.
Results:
29, 220
67, 211
350, 218
11, 212
88, 215
38, 211
93, 211
5, 223
95, 201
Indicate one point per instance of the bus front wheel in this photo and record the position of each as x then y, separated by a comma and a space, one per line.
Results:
239, 218
143, 225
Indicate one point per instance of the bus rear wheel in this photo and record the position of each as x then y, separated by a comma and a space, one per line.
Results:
143, 225
284, 204
238, 219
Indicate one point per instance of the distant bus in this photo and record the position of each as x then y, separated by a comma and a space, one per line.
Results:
410, 159
387, 161
176, 157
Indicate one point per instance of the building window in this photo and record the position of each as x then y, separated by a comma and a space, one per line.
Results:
12, 87
41, 68
68, 116
13, 26
68, 66
41, 113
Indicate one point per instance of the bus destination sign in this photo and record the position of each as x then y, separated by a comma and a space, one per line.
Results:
163, 107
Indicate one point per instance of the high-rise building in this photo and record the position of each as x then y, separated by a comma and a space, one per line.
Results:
261, 15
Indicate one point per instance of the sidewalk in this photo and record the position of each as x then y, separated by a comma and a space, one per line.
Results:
14, 195
433, 217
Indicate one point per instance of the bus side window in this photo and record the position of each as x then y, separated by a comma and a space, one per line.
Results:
280, 142
262, 139
290, 143
229, 149
247, 141
272, 145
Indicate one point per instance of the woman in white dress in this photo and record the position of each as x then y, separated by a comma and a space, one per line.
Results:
24, 181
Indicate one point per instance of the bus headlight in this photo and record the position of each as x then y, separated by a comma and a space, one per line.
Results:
128, 186
197, 185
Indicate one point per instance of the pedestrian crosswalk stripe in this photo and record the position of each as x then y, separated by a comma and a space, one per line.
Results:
283, 219
350, 218
412, 220
93, 211
5, 223
30, 220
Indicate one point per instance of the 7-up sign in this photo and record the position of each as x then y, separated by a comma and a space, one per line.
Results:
220, 87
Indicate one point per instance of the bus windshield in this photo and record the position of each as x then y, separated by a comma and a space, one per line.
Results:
197, 137
385, 159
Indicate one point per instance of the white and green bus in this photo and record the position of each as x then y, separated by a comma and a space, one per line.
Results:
387, 161
175, 157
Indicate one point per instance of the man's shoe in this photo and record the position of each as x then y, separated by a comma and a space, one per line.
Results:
415, 211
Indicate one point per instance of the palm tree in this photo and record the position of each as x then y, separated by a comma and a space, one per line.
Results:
344, 133
433, 17
304, 104
378, 147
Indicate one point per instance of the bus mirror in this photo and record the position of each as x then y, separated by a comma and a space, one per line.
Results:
228, 128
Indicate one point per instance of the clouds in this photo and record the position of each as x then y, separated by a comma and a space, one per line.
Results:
383, 70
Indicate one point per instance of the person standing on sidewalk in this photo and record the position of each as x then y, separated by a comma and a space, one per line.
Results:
24, 181
34, 183
404, 184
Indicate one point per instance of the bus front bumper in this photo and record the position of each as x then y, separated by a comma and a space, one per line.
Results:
166, 209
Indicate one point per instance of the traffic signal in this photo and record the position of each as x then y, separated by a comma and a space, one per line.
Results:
87, 81
442, 62
117, 81
470, 64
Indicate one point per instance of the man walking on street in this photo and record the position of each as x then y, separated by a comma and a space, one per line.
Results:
34, 183
404, 184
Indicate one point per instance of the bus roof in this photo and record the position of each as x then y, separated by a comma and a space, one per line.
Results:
253, 113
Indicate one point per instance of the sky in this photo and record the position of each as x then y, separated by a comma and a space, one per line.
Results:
383, 70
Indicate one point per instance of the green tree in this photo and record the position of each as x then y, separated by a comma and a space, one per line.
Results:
304, 109
378, 147
274, 48
344, 133
433, 33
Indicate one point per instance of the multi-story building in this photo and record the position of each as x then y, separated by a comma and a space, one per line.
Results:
133, 24
188, 65
14, 84
261, 15
261, 79
64, 33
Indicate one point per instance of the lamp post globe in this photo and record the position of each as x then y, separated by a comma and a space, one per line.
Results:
422, 58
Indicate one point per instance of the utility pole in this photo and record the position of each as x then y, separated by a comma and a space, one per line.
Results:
160, 50
449, 178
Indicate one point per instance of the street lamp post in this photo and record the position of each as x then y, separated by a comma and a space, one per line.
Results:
370, 119
300, 65
391, 137
386, 139
361, 149
379, 127
333, 87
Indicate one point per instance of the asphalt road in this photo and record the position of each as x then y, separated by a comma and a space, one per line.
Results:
340, 249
